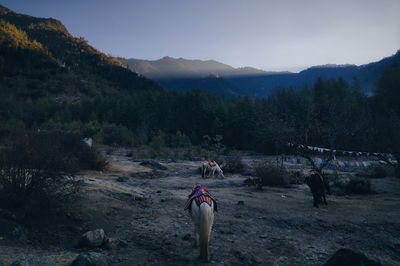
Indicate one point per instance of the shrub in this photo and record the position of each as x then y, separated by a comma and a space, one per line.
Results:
376, 171
272, 175
348, 184
37, 168
158, 141
233, 163
297, 177
180, 140
117, 135
358, 185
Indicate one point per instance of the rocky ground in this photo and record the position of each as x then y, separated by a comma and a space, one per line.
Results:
141, 206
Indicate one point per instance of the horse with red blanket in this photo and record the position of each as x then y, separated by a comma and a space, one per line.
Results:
318, 184
201, 206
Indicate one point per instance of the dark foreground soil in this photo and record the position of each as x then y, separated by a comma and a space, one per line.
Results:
276, 226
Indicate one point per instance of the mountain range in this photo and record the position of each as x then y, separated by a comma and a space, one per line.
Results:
214, 77
40, 57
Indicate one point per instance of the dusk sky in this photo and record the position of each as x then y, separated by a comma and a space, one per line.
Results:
271, 35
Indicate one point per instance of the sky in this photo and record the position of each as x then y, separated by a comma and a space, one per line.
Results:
272, 35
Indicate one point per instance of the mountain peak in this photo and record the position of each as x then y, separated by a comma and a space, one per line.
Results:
180, 67
167, 58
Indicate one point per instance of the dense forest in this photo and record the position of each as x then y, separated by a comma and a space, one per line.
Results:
50, 80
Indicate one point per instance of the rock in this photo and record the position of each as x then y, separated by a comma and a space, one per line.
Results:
122, 179
186, 237
153, 164
93, 238
12, 230
91, 259
240, 202
31, 261
111, 243
348, 257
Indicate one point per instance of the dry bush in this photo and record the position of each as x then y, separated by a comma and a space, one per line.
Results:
233, 163
297, 177
37, 170
271, 175
376, 171
358, 185
348, 184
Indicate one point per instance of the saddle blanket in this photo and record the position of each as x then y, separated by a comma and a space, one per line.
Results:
200, 195
316, 173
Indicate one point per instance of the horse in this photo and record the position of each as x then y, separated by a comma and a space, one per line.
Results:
317, 184
201, 206
211, 167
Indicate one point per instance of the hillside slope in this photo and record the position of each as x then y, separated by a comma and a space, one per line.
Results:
39, 56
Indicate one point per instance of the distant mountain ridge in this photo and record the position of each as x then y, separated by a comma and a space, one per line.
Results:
169, 67
250, 81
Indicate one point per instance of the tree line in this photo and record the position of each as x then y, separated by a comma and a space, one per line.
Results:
332, 114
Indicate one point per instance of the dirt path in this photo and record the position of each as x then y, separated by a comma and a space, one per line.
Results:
278, 226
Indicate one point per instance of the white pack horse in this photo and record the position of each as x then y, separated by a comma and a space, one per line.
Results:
203, 219
211, 169
202, 207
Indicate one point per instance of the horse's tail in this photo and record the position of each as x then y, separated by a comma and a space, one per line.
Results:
203, 169
206, 221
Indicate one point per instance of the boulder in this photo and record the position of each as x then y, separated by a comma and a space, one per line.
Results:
348, 257
93, 239
91, 259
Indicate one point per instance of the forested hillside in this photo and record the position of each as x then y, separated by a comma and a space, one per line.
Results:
53, 81
39, 57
